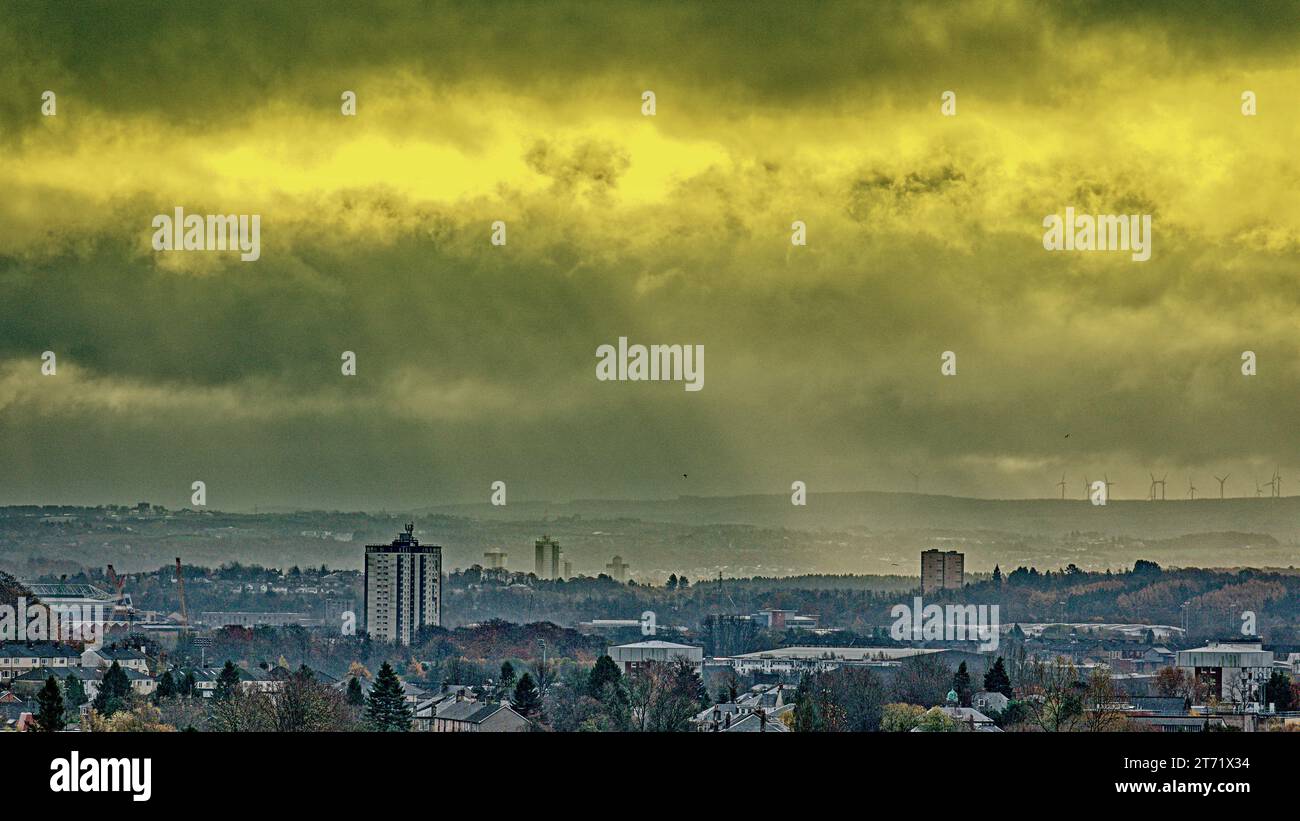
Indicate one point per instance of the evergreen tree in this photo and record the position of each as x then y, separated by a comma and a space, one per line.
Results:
672, 581
387, 710
49, 718
74, 695
527, 701
227, 682
997, 576
166, 687
187, 684
1277, 691
114, 692
996, 679
961, 683
356, 697
605, 672
807, 712
507, 676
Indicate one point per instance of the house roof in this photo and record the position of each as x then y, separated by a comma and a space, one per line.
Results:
37, 649
753, 724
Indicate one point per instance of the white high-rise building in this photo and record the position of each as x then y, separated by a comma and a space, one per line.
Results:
549, 558
403, 588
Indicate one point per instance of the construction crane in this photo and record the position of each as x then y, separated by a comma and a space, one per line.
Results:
180, 584
121, 601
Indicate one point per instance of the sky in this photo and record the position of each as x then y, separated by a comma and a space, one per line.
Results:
477, 362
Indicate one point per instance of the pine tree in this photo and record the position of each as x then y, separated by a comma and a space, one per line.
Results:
527, 700
807, 712
507, 675
996, 679
166, 687
49, 718
74, 695
961, 683
997, 576
185, 686
387, 710
114, 692
227, 682
605, 672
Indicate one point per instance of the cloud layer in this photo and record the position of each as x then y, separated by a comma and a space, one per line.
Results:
476, 363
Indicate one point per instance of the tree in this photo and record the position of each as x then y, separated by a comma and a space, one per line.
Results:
935, 720
187, 684
1277, 691
507, 675
387, 710
356, 697
227, 682
166, 687
527, 700
923, 680
74, 695
997, 576
961, 683
996, 679
605, 672
49, 718
114, 692
144, 718
842, 700
900, 718
307, 706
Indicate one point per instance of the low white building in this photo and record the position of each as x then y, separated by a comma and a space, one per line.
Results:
629, 656
791, 661
1232, 672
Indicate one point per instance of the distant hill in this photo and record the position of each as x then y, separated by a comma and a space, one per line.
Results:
1279, 518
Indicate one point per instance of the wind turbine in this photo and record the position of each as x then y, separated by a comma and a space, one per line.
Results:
1259, 491
1164, 480
1151, 492
1106, 480
1061, 485
1221, 481
1087, 488
1191, 489
1277, 482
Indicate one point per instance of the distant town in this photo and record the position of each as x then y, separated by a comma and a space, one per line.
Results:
517, 641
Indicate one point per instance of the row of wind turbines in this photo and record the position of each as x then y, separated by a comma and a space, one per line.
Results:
1158, 486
